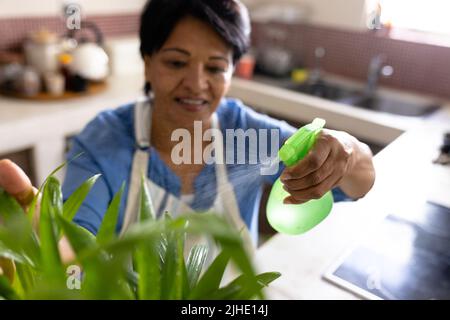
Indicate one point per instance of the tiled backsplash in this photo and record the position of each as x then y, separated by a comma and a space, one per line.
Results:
418, 67
14, 30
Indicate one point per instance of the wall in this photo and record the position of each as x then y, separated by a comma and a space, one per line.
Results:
19, 17
417, 67
339, 14
38, 8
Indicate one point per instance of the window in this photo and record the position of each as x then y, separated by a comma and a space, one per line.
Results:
419, 15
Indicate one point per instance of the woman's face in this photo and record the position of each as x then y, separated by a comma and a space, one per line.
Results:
190, 74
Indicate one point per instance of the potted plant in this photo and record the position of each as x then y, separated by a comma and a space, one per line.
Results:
147, 262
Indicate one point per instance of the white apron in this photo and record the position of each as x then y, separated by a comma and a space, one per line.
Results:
225, 202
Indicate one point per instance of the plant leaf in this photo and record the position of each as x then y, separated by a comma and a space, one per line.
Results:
134, 236
33, 204
239, 288
196, 261
9, 207
26, 276
210, 281
228, 239
51, 206
242, 260
6, 290
107, 230
173, 281
215, 225
180, 285
74, 202
106, 278
105, 274
146, 205
59, 168
169, 268
147, 264
15, 246
17, 233
146, 256
162, 247
80, 239
10, 254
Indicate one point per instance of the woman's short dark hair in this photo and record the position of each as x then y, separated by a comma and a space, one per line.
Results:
229, 18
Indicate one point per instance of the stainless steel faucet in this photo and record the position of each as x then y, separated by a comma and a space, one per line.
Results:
377, 69
317, 72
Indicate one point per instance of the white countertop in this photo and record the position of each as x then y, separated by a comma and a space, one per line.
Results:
406, 178
24, 122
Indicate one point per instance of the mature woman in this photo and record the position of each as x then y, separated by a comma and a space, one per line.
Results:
190, 48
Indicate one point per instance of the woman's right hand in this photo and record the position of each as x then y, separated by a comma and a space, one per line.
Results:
15, 182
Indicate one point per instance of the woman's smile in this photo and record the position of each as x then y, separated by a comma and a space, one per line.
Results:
192, 104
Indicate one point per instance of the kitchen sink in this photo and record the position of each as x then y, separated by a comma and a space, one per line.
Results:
390, 105
356, 95
324, 90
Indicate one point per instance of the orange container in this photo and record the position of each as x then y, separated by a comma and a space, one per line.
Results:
245, 67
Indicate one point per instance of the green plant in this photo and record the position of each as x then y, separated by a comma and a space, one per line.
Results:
147, 262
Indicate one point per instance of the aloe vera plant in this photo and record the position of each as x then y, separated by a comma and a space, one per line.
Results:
146, 262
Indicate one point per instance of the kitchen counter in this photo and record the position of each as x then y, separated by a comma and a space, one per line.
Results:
406, 177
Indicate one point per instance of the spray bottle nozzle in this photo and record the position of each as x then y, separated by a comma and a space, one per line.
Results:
298, 145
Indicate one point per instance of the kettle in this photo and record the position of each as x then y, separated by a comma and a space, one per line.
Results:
41, 50
275, 61
273, 56
90, 60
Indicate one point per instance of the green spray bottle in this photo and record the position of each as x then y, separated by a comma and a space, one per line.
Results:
297, 218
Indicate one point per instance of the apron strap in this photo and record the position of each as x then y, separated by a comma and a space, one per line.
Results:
142, 124
140, 161
226, 192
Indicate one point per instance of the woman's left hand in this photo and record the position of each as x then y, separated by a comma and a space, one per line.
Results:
323, 168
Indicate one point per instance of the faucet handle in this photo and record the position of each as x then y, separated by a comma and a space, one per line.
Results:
316, 74
319, 52
387, 71
377, 69
377, 66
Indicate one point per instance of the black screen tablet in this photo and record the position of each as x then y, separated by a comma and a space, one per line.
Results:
407, 257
